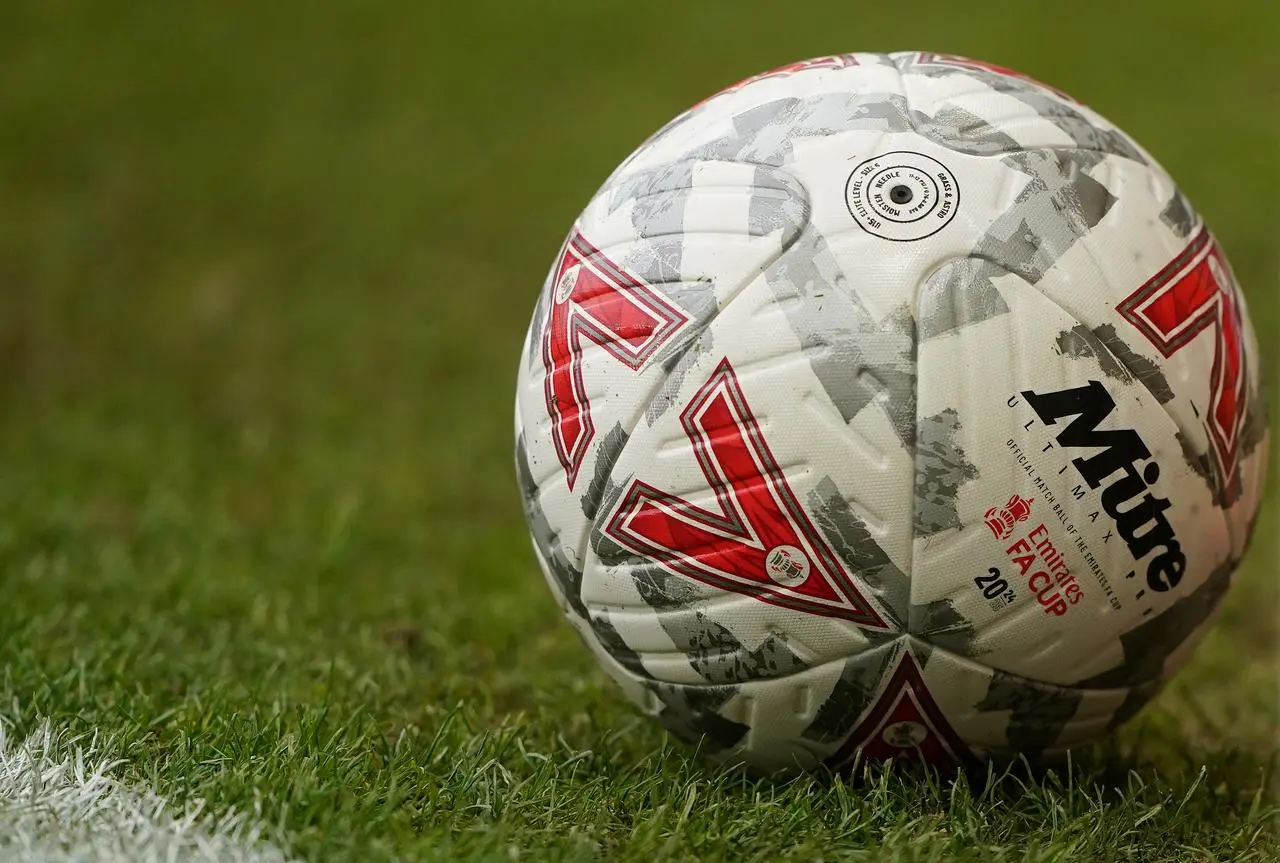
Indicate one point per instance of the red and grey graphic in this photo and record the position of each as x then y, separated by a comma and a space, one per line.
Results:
592, 299
1195, 292
904, 723
762, 543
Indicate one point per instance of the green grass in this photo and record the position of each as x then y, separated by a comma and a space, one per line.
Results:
264, 272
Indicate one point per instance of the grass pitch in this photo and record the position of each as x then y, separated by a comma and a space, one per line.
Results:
264, 272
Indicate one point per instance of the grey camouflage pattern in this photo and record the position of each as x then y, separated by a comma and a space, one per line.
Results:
853, 543
1056, 209
692, 713
958, 294
610, 447
859, 359
941, 468
1143, 370
712, 650
1038, 712
546, 538
616, 646
1085, 134
1179, 215
657, 197
853, 694
937, 622
1147, 645
676, 369
1114, 358
766, 134
778, 203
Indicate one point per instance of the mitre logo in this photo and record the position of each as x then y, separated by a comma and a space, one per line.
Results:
1138, 513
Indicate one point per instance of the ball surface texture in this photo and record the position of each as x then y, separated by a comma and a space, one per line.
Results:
890, 406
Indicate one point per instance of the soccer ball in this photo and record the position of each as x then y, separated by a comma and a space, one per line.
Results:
890, 406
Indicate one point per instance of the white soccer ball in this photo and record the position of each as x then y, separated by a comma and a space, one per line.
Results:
890, 406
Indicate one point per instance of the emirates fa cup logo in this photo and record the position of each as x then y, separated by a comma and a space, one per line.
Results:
1002, 520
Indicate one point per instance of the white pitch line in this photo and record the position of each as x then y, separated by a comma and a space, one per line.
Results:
59, 803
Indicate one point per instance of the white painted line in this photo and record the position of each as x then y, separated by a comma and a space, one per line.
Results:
59, 803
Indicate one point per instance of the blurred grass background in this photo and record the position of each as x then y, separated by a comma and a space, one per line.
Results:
264, 273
